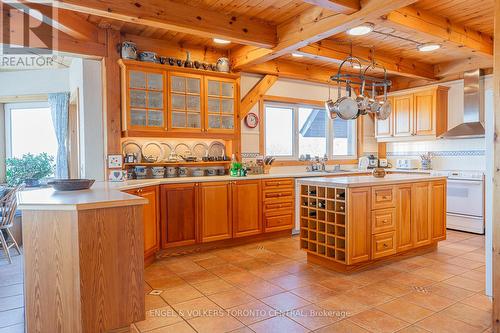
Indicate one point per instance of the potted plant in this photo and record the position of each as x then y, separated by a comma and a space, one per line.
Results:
29, 169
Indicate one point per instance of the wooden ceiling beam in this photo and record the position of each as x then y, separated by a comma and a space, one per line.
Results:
461, 65
339, 6
292, 70
313, 25
175, 16
61, 42
441, 29
332, 52
63, 20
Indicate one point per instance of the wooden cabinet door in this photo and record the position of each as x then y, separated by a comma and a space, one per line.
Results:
438, 210
215, 211
403, 115
359, 225
178, 214
384, 128
185, 112
151, 216
145, 99
404, 232
220, 104
425, 112
247, 210
420, 211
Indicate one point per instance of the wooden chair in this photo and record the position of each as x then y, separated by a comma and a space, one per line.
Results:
8, 205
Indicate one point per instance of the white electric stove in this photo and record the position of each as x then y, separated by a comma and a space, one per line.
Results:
464, 200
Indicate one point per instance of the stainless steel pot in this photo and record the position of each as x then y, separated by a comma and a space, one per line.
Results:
346, 107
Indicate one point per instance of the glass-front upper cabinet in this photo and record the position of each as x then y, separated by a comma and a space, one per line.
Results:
221, 99
185, 111
146, 99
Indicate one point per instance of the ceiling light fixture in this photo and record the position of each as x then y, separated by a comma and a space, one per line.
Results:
297, 55
428, 47
221, 41
361, 30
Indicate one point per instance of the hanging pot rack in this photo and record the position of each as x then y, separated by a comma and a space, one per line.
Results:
357, 79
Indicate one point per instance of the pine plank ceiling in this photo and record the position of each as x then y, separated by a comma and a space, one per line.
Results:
389, 38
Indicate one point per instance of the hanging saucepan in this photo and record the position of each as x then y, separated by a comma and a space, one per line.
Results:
373, 104
329, 105
345, 107
362, 100
385, 106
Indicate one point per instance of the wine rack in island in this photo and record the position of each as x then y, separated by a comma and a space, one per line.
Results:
323, 221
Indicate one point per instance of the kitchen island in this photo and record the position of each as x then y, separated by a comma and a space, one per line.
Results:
349, 223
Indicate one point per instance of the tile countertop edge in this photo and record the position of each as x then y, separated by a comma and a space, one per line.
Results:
362, 181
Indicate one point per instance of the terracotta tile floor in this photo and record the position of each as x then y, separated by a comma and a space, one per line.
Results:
269, 287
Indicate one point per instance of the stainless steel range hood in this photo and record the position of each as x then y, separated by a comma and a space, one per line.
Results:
473, 123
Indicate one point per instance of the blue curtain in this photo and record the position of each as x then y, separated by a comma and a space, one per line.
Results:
58, 103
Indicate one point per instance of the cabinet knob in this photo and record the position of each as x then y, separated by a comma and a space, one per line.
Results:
384, 221
385, 245
384, 197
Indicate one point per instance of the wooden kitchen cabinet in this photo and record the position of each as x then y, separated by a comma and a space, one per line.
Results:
438, 210
185, 93
415, 114
144, 100
247, 208
179, 204
221, 105
359, 229
151, 216
403, 115
404, 236
215, 211
420, 211
278, 199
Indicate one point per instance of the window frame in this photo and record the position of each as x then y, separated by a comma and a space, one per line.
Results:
8, 107
295, 105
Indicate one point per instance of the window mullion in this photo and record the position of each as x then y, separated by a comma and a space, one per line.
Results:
296, 132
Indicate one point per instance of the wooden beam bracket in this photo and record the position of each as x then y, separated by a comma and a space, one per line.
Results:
256, 93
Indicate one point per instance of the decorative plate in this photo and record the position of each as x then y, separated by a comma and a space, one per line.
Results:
216, 149
251, 120
132, 147
167, 150
200, 150
152, 151
183, 150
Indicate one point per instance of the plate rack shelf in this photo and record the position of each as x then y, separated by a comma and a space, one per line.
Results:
323, 221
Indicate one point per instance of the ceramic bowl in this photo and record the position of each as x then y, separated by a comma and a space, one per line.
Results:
141, 171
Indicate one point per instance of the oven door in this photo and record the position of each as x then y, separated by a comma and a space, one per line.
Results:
465, 197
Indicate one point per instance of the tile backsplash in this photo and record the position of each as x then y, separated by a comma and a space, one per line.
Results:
456, 154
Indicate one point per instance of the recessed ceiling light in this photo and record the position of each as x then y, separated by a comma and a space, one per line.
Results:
360, 30
221, 41
428, 47
297, 55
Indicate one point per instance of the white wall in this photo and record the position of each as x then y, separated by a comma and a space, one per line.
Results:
292, 89
455, 154
86, 76
34, 82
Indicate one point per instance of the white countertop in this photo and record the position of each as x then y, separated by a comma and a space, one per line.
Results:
361, 181
96, 197
109, 194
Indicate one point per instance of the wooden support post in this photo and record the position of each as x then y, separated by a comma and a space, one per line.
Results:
256, 93
382, 150
112, 93
496, 174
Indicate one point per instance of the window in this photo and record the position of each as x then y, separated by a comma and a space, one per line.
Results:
29, 129
294, 130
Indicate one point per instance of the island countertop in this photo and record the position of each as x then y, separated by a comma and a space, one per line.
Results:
361, 181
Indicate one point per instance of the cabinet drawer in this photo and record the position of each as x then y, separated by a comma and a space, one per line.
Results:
383, 220
273, 206
285, 194
279, 182
278, 222
383, 197
383, 244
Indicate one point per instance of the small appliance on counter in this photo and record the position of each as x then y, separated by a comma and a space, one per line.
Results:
383, 163
372, 162
363, 163
407, 164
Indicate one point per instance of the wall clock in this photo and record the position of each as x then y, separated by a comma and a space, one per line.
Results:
252, 120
